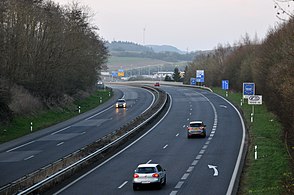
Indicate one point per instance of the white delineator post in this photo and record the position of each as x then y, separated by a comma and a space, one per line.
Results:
255, 152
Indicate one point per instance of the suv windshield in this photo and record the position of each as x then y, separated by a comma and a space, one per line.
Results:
145, 170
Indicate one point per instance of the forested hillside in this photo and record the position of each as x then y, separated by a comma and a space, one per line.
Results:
270, 64
129, 49
48, 54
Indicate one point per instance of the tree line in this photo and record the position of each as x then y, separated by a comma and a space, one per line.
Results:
268, 63
47, 49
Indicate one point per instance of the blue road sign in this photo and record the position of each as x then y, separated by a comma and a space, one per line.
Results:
248, 89
192, 81
200, 76
114, 74
225, 84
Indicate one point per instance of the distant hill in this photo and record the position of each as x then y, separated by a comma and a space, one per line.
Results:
164, 52
165, 48
125, 46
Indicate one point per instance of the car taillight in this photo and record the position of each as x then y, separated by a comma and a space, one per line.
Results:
155, 175
135, 175
189, 128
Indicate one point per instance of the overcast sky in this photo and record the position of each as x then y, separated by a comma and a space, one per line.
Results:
186, 24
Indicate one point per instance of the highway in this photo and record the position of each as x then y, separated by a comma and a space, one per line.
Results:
194, 166
29, 153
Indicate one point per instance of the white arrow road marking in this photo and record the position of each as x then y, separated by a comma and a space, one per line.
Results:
214, 169
222, 106
122, 185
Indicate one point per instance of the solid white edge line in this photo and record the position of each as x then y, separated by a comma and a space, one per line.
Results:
89, 172
20, 146
237, 166
61, 130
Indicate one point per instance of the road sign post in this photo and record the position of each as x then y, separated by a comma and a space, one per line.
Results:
225, 86
254, 100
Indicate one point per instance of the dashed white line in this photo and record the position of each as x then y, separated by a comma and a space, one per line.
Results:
198, 157
210, 138
190, 169
185, 176
184, 126
177, 134
179, 184
202, 152
188, 119
208, 142
205, 146
173, 193
195, 162
60, 143
123, 184
20, 146
165, 146
29, 157
82, 133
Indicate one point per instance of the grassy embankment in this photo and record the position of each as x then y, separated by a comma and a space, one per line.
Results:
21, 126
271, 172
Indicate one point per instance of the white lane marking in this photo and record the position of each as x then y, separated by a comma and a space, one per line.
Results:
190, 169
215, 171
29, 157
179, 184
60, 143
195, 162
123, 184
20, 146
202, 152
191, 109
222, 106
149, 161
173, 193
210, 138
185, 176
100, 165
177, 134
208, 142
165, 146
198, 157
184, 126
188, 119
190, 113
61, 130
83, 133
204, 147
99, 113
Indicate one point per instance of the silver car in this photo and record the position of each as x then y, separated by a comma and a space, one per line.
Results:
149, 174
121, 103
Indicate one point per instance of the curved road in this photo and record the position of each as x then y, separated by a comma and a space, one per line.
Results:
194, 166
27, 154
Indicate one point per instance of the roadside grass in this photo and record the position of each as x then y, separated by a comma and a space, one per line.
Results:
21, 125
271, 173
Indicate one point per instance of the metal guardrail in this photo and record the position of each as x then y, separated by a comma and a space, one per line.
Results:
142, 120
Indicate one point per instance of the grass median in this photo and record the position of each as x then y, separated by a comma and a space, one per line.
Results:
271, 172
23, 125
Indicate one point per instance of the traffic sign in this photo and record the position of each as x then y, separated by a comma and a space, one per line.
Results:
114, 74
255, 99
200, 76
225, 84
248, 89
192, 81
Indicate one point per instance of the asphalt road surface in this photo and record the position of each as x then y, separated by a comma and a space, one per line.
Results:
194, 166
29, 153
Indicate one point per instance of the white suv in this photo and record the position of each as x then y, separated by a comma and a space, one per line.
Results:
149, 174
